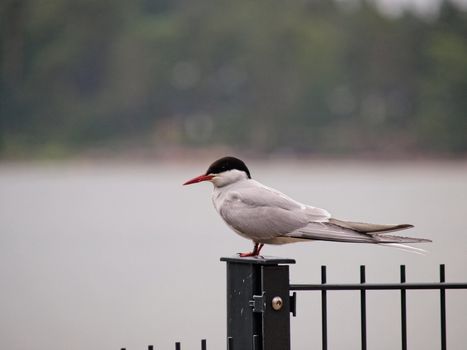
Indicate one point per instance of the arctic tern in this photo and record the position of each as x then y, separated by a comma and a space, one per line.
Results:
267, 216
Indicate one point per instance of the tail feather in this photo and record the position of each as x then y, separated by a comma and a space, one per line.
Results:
405, 248
399, 239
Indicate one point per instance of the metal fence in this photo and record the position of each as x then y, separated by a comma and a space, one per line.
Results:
260, 300
441, 286
178, 346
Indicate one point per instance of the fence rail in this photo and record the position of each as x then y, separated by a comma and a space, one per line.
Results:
378, 286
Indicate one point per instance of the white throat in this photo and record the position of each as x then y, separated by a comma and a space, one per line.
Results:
229, 177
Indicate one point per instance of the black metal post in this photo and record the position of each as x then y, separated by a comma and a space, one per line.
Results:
403, 311
230, 343
258, 305
363, 308
442, 298
324, 311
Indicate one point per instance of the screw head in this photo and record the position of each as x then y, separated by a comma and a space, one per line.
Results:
277, 303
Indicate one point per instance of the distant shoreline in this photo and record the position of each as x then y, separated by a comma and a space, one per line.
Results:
186, 155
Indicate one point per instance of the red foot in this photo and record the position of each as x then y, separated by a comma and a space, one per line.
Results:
255, 252
243, 255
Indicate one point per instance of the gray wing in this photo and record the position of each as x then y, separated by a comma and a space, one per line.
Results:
261, 213
325, 231
330, 231
369, 228
261, 195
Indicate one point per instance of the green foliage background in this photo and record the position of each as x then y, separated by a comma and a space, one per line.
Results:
267, 76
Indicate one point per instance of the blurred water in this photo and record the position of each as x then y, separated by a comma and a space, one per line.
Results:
106, 256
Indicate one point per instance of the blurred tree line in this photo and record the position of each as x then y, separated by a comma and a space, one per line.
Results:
268, 76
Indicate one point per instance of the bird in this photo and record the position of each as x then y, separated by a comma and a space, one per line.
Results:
266, 216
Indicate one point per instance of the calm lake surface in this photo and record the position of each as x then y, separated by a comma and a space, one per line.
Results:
104, 256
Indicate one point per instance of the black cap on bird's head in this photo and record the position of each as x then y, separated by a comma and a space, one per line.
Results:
227, 163
219, 166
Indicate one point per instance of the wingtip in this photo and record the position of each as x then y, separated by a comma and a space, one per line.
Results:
405, 226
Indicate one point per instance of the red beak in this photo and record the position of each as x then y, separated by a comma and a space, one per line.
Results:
197, 179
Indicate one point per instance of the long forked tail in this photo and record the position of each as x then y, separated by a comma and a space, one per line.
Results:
405, 248
382, 238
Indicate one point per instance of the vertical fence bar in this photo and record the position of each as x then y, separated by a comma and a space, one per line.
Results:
403, 311
363, 307
177, 346
324, 310
230, 345
442, 296
203, 344
256, 342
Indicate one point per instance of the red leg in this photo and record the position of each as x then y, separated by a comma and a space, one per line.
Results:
255, 252
259, 248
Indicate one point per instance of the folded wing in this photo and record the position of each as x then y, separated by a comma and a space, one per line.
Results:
329, 231
261, 213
